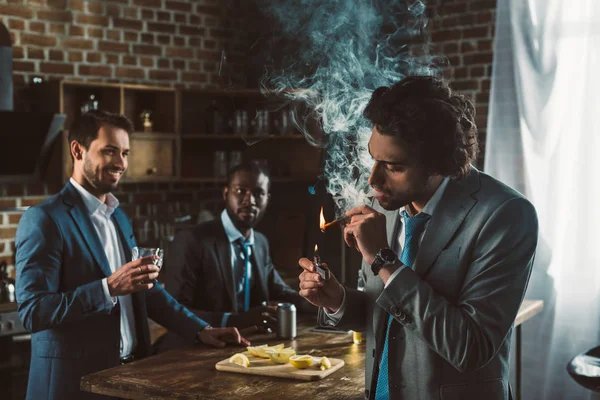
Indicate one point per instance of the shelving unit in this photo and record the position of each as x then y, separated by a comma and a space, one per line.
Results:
197, 135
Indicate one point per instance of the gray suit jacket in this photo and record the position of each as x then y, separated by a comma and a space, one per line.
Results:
454, 313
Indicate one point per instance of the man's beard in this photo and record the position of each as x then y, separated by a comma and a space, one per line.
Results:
101, 187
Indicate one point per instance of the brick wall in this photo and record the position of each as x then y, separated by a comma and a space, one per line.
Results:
463, 32
170, 42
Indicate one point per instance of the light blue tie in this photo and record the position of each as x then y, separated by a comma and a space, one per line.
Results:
247, 276
413, 227
242, 274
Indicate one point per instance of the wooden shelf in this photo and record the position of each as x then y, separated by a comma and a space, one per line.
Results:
274, 179
240, 137
184, 144
154, 135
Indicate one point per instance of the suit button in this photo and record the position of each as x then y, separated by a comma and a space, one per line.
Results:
401, 316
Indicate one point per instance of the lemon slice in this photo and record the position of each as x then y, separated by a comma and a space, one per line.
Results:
325, 363
253, 350
262, 351
281, 356
240, 359
302, 361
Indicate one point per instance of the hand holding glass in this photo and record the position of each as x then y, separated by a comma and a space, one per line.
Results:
139, 252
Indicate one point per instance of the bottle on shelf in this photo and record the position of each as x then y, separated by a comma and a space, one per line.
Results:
359, 337
220, 164
215, 120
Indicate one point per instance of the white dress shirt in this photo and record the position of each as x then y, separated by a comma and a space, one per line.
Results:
400, 234
234, 234
100, 214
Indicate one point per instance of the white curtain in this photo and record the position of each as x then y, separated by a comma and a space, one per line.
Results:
544, 140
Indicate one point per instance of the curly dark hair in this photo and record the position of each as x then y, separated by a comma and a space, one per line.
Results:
438, 125
84, 129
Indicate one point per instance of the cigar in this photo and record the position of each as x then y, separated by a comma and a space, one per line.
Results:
339, 221
320, 269
344, 220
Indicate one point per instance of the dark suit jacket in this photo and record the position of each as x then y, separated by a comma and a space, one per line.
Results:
199, 273
454, 313
60, 265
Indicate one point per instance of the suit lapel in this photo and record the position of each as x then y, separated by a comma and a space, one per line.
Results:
453, 208
81, 217
258, 254
223, 251
121, 223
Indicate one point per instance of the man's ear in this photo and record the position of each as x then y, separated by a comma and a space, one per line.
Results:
225, 190
76, 150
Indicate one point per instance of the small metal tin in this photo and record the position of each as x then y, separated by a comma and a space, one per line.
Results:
286, 321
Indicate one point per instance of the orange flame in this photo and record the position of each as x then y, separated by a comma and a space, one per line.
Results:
322, 220
316, 248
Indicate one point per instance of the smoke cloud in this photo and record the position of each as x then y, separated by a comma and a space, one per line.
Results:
329, 58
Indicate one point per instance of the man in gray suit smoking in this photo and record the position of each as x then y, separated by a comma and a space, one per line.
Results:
447, 254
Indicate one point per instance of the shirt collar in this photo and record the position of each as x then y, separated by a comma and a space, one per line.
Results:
92, 203
433, 202
232, 232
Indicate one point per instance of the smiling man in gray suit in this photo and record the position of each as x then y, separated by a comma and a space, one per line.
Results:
447, 253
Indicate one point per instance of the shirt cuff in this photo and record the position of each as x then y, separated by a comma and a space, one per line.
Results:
225, 319
110, 301
396, 272
336, 316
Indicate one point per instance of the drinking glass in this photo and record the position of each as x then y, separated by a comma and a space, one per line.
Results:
140, 252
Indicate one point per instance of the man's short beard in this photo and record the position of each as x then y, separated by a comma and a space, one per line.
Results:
88, 171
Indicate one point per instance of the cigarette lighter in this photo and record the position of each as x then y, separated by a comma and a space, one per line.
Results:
324, 272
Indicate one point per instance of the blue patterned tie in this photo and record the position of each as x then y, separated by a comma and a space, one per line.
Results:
413, 227
242, 274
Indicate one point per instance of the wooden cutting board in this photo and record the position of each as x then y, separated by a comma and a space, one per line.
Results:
265, 367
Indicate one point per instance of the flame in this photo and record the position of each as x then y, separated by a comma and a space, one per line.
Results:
316, 248
322, 220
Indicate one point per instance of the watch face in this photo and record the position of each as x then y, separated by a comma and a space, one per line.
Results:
388, 255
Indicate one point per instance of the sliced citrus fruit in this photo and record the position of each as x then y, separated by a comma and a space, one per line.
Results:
253, 350
302, 361
240, 359
325, 363
281, 356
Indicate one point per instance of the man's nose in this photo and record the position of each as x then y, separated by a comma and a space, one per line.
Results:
120, 161
375, 177
249, 197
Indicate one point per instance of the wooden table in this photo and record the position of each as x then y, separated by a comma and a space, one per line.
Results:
190, 373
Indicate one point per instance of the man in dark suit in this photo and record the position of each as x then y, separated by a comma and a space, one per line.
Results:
85, 304
221, 269
447, 254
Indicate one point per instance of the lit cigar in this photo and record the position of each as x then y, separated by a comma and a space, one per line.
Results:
340, 221
324, 272
345, 219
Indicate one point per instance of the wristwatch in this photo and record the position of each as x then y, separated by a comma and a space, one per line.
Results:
383, 258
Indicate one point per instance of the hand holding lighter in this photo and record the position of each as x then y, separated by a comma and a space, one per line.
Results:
324, 272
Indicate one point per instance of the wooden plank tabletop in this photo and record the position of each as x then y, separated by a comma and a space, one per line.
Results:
190, 373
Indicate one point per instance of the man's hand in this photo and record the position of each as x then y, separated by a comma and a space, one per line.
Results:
263, 318
133, 277
366, 231
219, 337
322, 293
